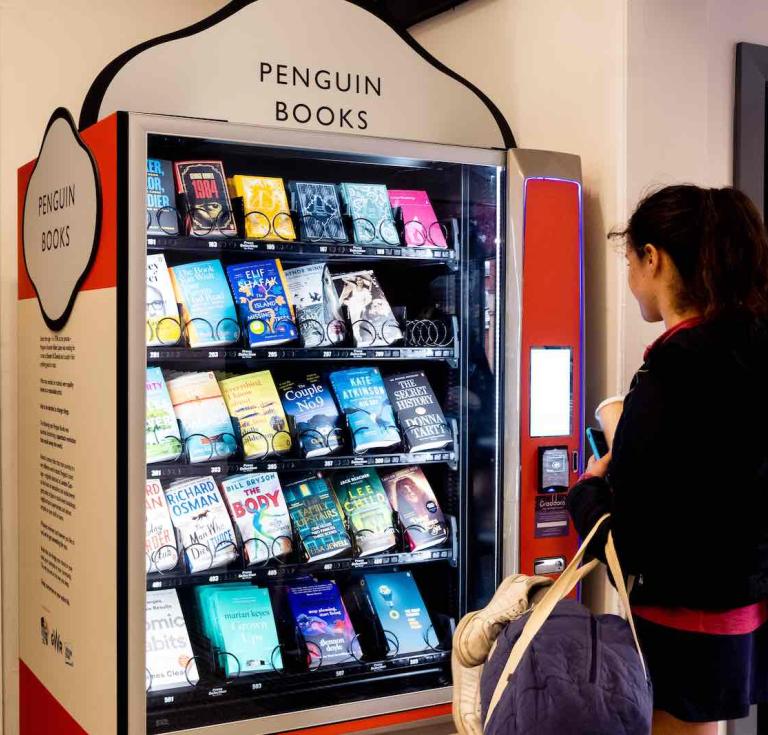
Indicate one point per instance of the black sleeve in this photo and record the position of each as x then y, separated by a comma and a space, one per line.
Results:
588, 501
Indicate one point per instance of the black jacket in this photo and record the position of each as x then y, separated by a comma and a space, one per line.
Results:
687, 485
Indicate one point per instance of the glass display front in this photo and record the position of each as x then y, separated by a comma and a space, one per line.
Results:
322, 426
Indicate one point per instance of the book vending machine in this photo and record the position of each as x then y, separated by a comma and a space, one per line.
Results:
292, 401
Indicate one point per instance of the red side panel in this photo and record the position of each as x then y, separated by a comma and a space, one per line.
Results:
552, 317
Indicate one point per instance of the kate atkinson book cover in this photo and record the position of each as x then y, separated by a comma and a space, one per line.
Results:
163, 439
170, 660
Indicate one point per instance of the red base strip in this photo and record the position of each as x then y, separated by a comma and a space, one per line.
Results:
39, 711
369, 723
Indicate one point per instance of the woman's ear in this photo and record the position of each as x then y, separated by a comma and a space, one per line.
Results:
651, 258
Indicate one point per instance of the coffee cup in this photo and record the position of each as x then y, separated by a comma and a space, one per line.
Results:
608, 414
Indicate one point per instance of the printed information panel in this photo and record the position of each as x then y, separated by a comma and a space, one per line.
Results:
67, 442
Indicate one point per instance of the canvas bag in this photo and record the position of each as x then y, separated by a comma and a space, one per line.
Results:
561, 669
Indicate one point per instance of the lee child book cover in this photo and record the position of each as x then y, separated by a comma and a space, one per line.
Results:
170, 663
317, 519
371, 317
323, 622
208, 312
421, 225
203, 185
367, 509
419, 415
257, 505
163, 323
206, 428
162, 216
363, 398
318, 312
199, 514
314, 416
254, 405
401, 611
162, 553
319, 211
264, 302
162, 430
267, 213
413, 499
368, 206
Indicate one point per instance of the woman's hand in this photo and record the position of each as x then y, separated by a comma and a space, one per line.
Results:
599, 467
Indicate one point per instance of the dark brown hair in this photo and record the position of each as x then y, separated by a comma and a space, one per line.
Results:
716, 239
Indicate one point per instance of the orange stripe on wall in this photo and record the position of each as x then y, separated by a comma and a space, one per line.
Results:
370, 723
101, 139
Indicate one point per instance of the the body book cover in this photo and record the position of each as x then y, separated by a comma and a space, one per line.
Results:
363, 398
419, 415
319, 212
317, 518
161, 430
162, 217
203, 185
367, 509
264, 302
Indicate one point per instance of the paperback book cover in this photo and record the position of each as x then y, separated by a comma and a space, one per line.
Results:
418, 413
162, 218
373, 323
401, 611
264, 302
318, 312
163, 324
239, 621
267, 213
170, 663
366, 507
204, 187
413, 499
319, 211
421, 225
363, 399
313, 413
368, 206
162, 429
162, 554
255, 407
199, 514
257, 505
317, 519
206, 303
323, 622
206, 428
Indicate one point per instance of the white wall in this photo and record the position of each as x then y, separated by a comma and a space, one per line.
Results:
50, 52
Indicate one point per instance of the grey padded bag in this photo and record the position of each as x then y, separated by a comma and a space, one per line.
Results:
562, 671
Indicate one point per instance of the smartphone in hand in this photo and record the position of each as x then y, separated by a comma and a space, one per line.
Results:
597, 443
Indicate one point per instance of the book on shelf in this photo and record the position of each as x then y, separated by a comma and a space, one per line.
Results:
257, 505
368, 206
162, 216
323, 621
206, 428
163, 440
413, 499
254, 405
317, 518
367, 509
163, 323
264, 302
266, 209
162, 553
419, 416
371, 317
207, 309
315, 419
199, 514
170, 661
203, 185
239, 621
420, 223
363, 399
318, 312
401, 611
317, 204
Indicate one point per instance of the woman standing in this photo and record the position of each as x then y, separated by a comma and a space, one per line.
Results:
687, 480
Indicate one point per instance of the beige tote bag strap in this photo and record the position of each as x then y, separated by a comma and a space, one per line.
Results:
562, 586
